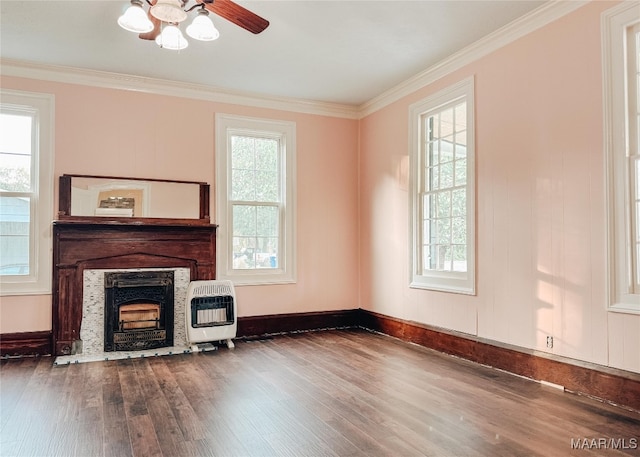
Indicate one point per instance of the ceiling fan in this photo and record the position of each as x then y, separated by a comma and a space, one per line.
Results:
160, 22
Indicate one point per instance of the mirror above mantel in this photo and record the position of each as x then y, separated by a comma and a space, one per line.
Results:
114, 199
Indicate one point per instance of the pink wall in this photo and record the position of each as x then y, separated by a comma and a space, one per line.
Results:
124, 133
540, 202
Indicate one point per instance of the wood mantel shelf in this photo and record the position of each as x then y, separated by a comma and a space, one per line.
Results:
86, 243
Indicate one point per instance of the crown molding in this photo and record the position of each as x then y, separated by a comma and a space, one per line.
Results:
109, 80
522, 26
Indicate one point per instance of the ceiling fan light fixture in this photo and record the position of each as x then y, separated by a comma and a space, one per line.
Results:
172, 38
202, 27
168, 11
135, 19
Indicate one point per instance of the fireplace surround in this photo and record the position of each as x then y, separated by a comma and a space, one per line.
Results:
93, 246
85, 243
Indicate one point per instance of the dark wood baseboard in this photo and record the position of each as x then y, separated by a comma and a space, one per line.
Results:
616, 386
25, 344
286, 323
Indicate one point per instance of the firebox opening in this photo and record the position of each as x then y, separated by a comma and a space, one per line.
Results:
139, 310
139, 316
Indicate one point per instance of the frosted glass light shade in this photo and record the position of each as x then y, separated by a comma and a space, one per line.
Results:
135, 19
168, 11
172, 38
202, 28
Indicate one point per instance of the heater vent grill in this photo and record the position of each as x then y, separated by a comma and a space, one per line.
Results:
212, 288
211, 311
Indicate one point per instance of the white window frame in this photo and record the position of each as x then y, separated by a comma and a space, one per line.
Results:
618, 141
41, 107
285, 131
447, 281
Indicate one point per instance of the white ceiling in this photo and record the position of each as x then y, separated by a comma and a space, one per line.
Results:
345, 52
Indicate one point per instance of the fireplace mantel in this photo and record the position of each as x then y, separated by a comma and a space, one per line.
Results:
88, 244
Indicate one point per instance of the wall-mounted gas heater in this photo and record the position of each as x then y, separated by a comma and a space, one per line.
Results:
210, 313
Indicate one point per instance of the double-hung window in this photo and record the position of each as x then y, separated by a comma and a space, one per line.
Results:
443, 191
621, 76
26, 204
255, 200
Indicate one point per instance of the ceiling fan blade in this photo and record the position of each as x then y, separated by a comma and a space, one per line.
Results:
237, 14
156, 26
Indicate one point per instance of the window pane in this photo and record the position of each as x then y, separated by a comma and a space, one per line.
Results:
243, 252
461, 172
242, 185
437, 257
446, 123
444, 258
267, 217
266, 154
446, 149
267, 252
444, 230
459, 258
459, 230
15, 152
244, 220
14, 235
255, 174
461, 148
444, 204
446, 175
255, 236
267, 186
458, 202
242, 154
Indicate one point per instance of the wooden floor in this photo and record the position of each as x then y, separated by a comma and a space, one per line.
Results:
329, 393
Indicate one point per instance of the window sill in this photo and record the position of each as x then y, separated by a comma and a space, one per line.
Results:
450, 286
625, 308
258, 280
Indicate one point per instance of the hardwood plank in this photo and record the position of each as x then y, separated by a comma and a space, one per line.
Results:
12, 385
116, 438
132, 395
89, 438
190, 426
167, 431
143, 436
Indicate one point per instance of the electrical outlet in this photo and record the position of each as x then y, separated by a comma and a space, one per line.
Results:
549, 342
